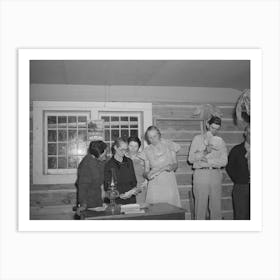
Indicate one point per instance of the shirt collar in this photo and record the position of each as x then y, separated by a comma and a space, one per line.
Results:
125, 160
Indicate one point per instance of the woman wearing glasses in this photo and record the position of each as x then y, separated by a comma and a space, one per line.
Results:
124, 175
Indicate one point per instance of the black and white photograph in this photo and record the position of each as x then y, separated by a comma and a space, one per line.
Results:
139, 140
146, 139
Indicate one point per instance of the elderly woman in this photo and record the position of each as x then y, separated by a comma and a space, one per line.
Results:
124, 173
90, 177
160, 164
134, 145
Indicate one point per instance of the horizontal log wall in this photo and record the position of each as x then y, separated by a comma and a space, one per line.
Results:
176, 123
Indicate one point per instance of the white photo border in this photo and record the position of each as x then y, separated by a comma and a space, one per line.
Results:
24, 57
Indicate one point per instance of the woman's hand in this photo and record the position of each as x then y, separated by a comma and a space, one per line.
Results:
171, 167
80, 209
128, 194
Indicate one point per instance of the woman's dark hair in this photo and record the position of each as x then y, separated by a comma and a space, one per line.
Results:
117, 143
134, 139
150, 128
97, 148
215, 120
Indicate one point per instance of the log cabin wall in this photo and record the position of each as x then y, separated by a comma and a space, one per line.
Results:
176, 123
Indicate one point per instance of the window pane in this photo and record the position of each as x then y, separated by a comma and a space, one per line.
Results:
52, 163
124, 134
82, 119
82, 122
133, 119
124, 125
62, 149
62, 135
72, 149
107, 135
115, 134
72, 121
51, 121
134, 133
52, 136
72, 135
124, 119
51, 149
62, 162
62, 121
72, 162
105, 118
82, 148
82, 135
115, 118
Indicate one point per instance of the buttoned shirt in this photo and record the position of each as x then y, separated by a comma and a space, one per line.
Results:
198, 146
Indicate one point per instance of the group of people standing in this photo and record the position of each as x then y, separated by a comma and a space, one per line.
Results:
148, 175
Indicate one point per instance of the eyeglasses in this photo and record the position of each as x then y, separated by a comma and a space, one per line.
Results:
123, 149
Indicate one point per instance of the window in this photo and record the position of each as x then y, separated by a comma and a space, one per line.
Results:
61, 133
123, 124
66, 140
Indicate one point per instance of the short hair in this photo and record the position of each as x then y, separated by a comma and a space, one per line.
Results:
117, 143
134, 139
97, 148
215, 120
150, 128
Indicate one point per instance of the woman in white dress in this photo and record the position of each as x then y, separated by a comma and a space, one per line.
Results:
160, 164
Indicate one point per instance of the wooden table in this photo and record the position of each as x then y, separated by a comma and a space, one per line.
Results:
159, 211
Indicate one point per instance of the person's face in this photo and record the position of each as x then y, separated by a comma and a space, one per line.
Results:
247, 135
214, 128
153, 137
121, 150
133, 147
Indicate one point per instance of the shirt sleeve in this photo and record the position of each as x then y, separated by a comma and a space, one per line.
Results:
174, 147
193, 153
222, 159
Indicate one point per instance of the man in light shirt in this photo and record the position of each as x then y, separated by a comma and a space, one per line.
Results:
207, 177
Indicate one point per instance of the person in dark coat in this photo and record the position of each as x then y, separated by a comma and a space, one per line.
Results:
91, 176
123, 169
238, 169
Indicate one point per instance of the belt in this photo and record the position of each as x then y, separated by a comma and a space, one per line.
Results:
209, 168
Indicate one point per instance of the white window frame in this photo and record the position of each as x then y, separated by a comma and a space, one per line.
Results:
60, 113
137, 114
95, 108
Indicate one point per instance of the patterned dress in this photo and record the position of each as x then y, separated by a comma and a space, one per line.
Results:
163, 187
